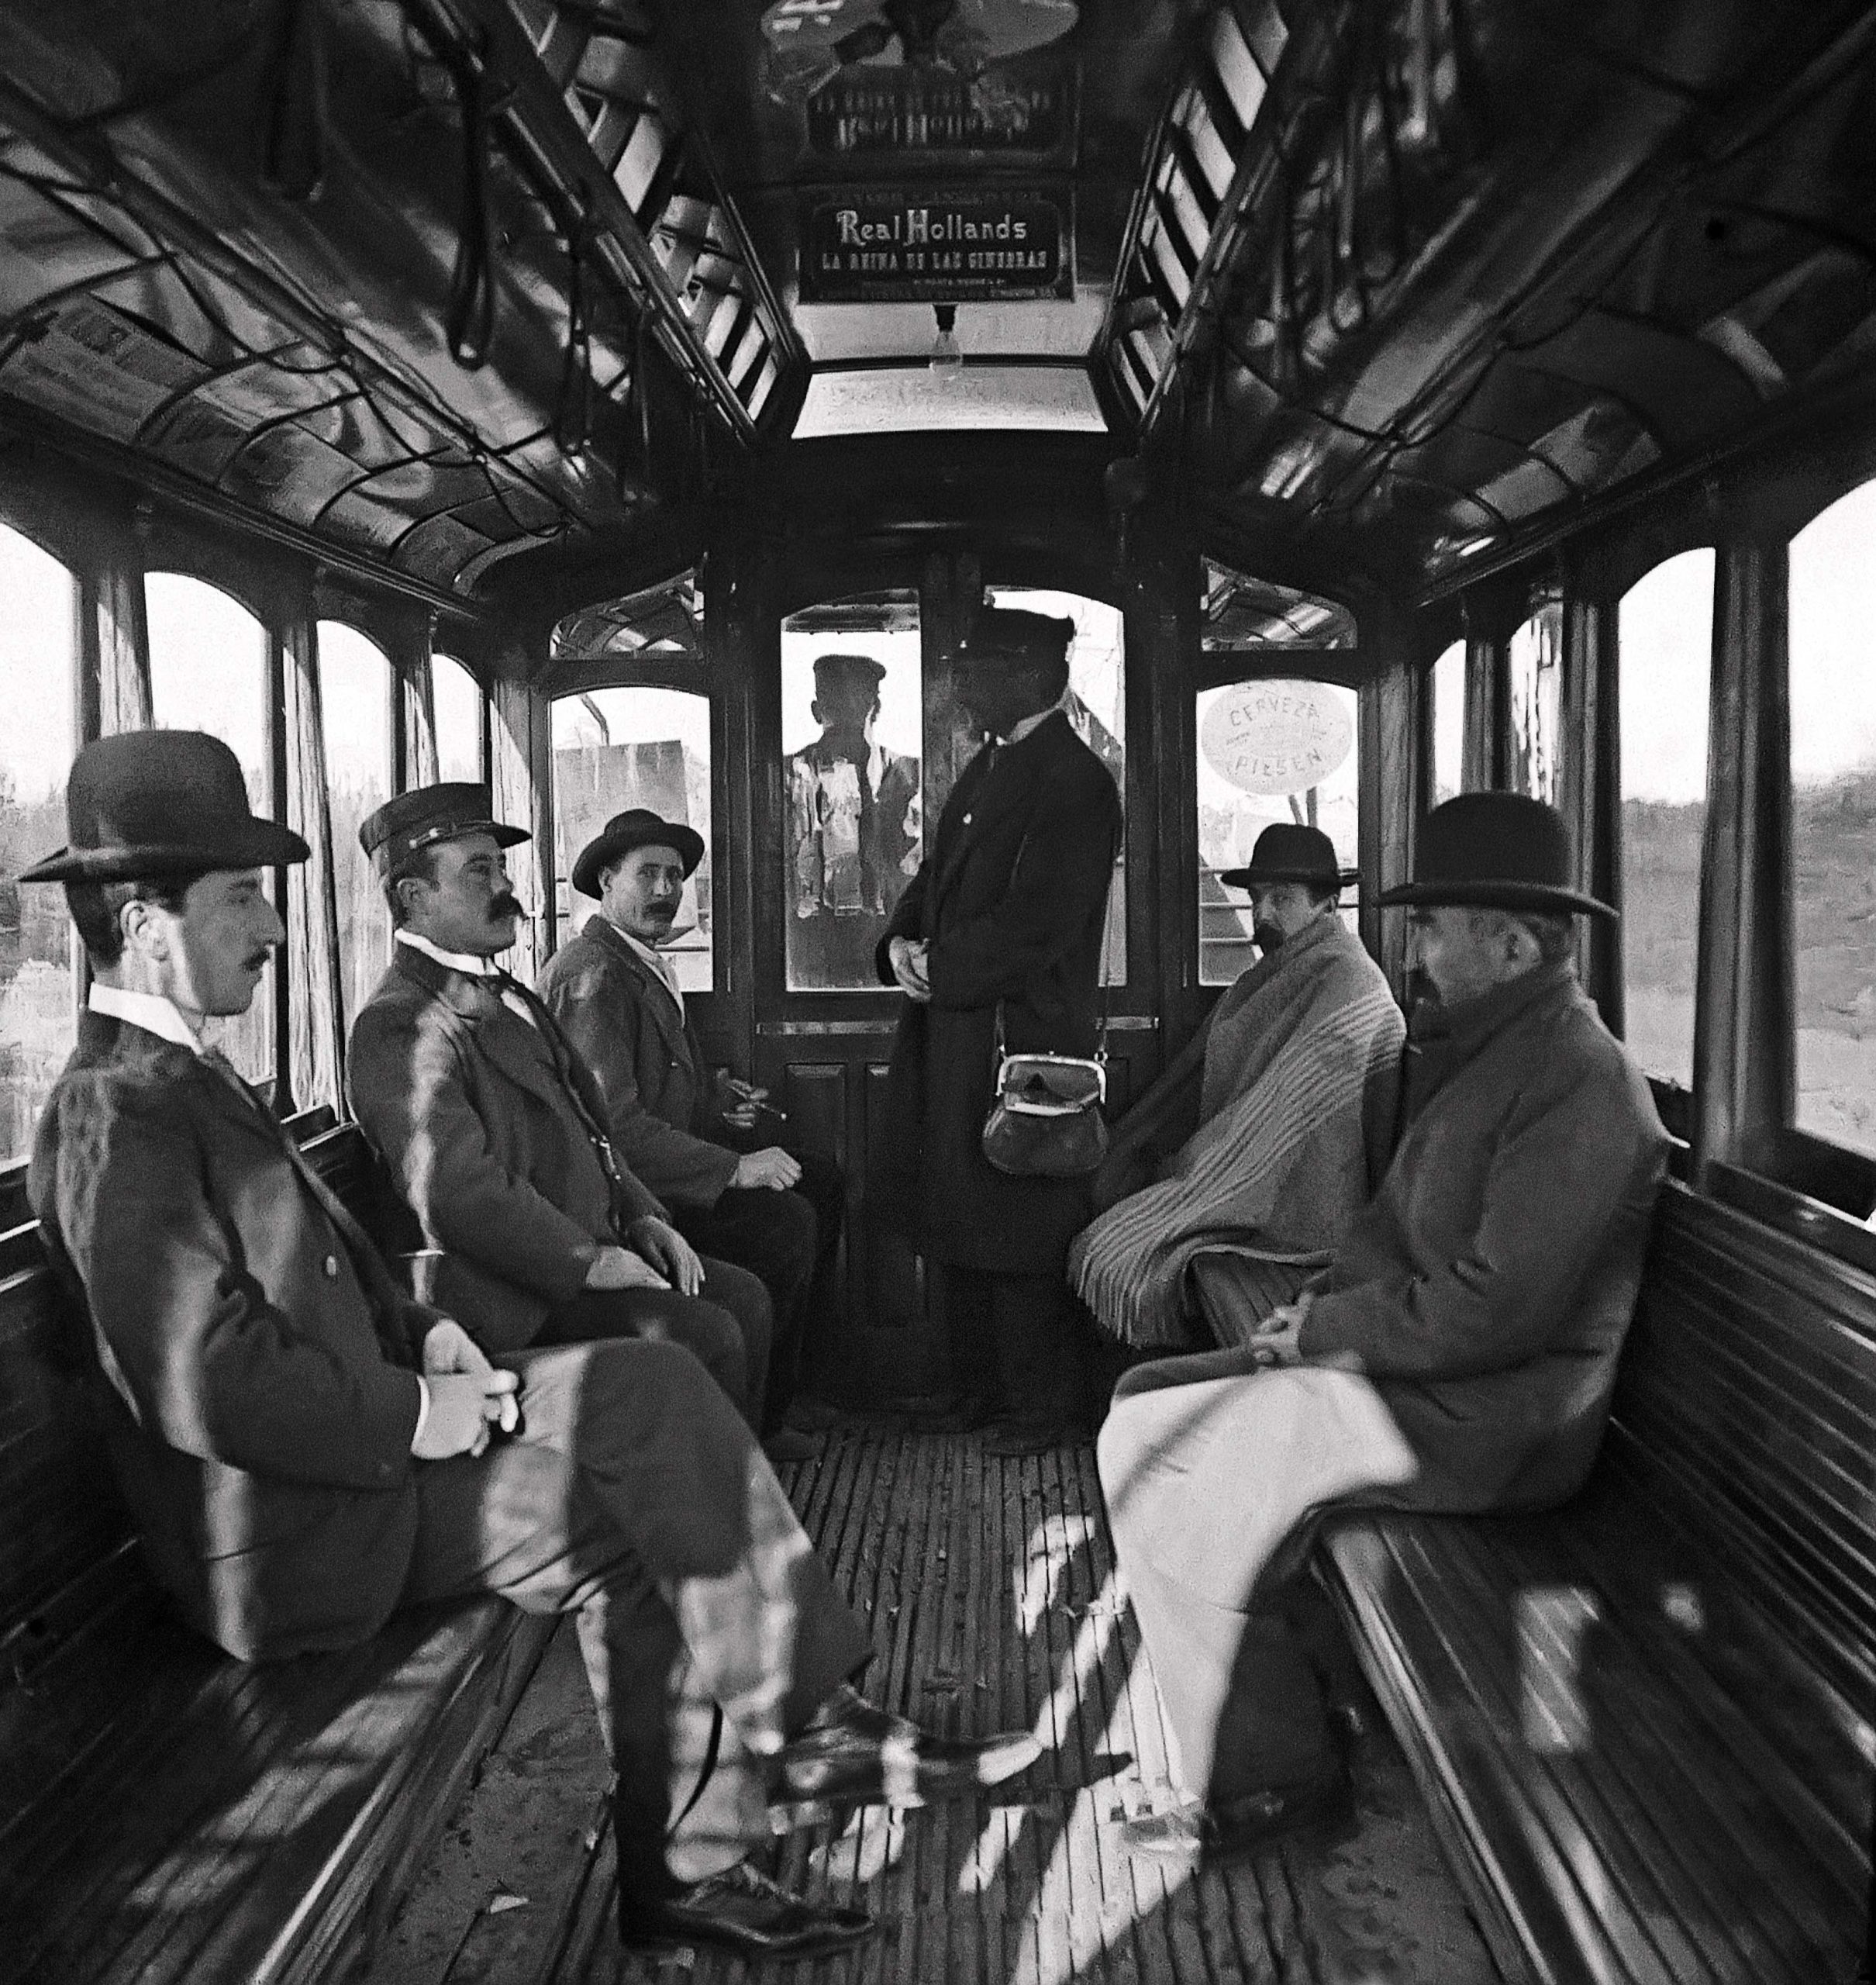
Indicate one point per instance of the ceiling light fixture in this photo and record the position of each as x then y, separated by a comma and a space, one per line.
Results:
947, 359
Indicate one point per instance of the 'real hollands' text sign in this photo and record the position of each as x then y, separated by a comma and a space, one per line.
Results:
911, 245
1274, 738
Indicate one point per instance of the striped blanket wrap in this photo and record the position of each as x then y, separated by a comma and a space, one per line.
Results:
1278, 1168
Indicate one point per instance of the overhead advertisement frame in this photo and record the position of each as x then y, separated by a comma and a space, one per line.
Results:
937, 244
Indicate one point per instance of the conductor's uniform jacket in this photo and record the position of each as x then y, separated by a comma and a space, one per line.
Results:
491, 1129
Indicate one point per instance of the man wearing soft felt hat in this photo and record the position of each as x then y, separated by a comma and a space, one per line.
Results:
304, 1449
1457, 1354
506, 1199
687, 1133
1237, 1175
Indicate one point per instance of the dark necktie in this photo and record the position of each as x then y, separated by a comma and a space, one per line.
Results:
559, 1051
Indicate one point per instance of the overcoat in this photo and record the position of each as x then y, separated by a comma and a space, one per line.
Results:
500, 1190
258, 1380
1011, 900
661, 1101
1487, 1288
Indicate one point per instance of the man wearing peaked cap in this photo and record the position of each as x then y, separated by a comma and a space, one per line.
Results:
1458, 1354
506, 1195
1004, 918
1237, 1175
305, 1449
854, 828
682, 1129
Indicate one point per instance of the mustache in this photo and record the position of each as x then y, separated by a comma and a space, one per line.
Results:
667, 910
256, 961
505, 906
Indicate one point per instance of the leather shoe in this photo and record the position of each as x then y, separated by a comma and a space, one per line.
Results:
788, 1444
855, 1752
1013, 1439
742, 1910
1197, 1832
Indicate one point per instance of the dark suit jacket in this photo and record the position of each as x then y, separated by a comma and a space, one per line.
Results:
1024, 931
1487, 1288
499, 1196
660, 1096
258, 1407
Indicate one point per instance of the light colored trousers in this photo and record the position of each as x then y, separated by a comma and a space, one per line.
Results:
1210, 1465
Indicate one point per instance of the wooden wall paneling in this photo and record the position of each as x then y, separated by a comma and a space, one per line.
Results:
1484, 762
316, 1024
1393, 775
889, 1278
742, 653
113, 636
1162, 606
1744, 1048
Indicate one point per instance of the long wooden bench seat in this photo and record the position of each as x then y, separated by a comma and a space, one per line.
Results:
167, 1814
1643, 1723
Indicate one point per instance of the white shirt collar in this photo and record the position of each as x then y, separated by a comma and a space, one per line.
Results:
463, 961
150, 1011
659, 963
1037, 718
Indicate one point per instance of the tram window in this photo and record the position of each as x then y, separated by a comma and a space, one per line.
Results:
459, 719
1833, 820
1268, 750
1447, 682
355, 680
38, 1016
635, 747
1665, 632
208, 671
1098, 687
852, 735
1537, 707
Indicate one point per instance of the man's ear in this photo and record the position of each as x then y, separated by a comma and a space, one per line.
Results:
142, 931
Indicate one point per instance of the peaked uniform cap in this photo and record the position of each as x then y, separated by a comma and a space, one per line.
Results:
1285, 853
149, 803
855, 667
426, 817
1015, 630
1501, 850
626, 833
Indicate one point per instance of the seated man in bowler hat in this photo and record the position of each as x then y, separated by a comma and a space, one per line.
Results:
681, 1128
507, 1201
1457, 1354
1242, 1167
305, 1449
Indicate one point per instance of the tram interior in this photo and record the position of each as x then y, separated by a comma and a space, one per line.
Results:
1448, 395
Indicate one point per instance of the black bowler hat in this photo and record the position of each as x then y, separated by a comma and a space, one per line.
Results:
1014, 632
860, 668
1288, 854
149, 803
425, 816
637, 827
1501, 850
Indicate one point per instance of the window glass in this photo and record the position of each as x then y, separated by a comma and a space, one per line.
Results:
1268, 750
208, 671
355, 707
1833, 819
38, 1016
852, 736
1097, 689
1447, 684
1536, 708
459, 719
1665, 633
618, 748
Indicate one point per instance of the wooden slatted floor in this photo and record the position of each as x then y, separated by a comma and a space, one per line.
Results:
991, 1589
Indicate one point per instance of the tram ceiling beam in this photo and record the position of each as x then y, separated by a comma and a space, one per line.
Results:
533, 112
173, 487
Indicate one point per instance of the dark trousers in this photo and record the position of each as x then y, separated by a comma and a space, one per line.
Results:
634, 1497
790, 1241
727, 1327
1015, 1345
